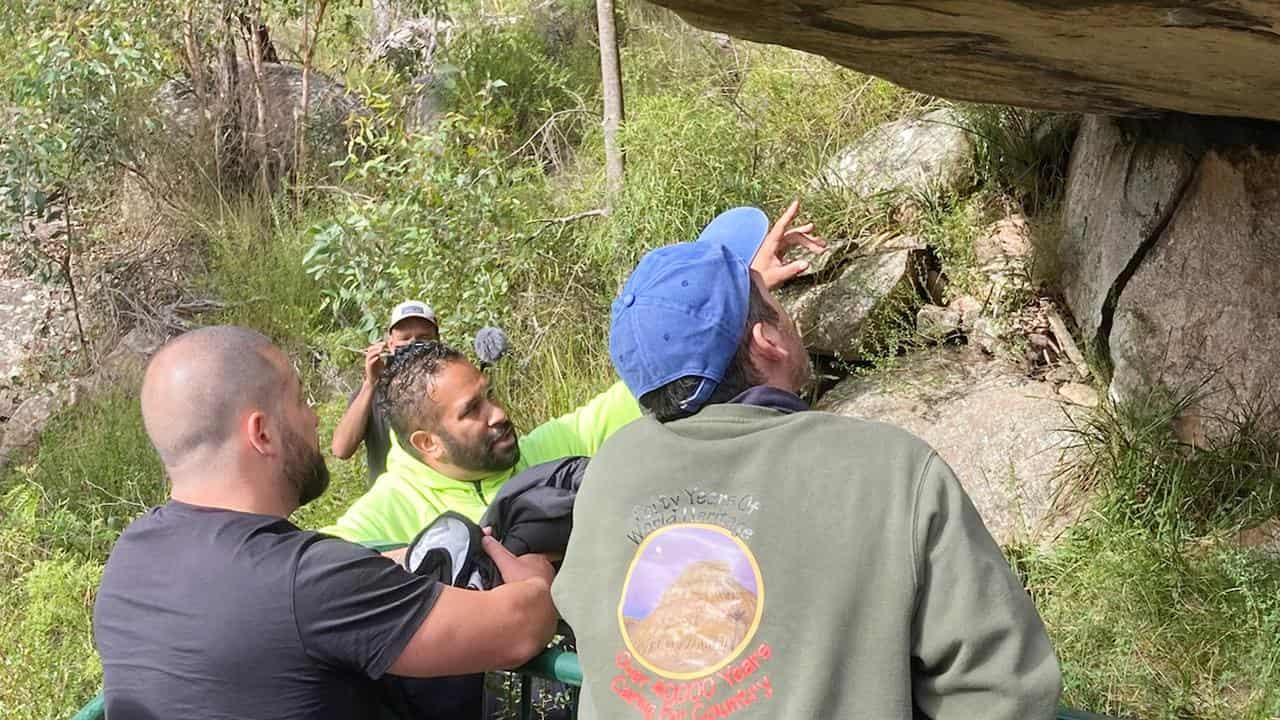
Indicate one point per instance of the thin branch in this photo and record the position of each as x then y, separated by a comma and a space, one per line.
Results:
598, 212
561, 221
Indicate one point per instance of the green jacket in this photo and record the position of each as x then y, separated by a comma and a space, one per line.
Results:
409, 495
751, 563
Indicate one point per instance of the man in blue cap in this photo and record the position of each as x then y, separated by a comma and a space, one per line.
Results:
736, 554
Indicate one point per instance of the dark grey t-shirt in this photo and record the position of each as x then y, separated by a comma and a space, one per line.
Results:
208, 613
377, 439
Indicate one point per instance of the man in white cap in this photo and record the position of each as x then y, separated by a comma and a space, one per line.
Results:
411, 321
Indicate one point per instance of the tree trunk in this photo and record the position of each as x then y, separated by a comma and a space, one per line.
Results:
387, 14
229, 133
310, 38
255, 48
614, 114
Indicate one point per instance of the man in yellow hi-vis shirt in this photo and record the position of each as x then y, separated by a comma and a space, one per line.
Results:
453, 446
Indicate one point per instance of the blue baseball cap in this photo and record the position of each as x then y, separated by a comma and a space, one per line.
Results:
683, 310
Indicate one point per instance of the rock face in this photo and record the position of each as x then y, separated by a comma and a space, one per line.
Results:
329, 108
835, 317
1119, 191
907, 156
1171, 244
1202, 304
1110, 57
1001, 433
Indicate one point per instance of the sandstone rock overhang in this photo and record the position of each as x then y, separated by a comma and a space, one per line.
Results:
1136, 57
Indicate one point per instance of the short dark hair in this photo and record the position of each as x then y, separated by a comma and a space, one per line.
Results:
405, 385
664, 402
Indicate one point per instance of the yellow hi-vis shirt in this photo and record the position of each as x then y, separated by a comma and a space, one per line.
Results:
409, 495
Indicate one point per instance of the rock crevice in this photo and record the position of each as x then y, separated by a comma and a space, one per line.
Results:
1102, 339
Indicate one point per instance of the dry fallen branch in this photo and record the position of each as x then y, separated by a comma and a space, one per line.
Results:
1068, 343
598, 212
550, 222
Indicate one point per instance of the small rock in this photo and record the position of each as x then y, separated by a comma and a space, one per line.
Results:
988, 334
1079, 394
832, 316
938, 324
1009, 239
1062, 373
970, 309
23, 429
838, 251
1264, 538
1040, 341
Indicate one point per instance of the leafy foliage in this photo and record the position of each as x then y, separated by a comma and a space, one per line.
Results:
447, 211
73, 78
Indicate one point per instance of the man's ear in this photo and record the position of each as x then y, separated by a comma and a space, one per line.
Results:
427, 444
767, 344
259, 435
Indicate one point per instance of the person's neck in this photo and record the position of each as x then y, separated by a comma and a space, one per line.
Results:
782, 380
237, 492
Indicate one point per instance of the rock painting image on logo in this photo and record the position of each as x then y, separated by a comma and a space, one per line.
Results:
691, 602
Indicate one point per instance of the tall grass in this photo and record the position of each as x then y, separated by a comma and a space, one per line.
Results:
1154, 609
1142, 475
1159, 631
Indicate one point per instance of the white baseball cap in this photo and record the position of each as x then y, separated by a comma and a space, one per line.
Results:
412, 309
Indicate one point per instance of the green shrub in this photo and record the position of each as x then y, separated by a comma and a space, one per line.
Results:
48, 666
94, 472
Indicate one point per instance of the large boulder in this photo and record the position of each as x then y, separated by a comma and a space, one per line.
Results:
411, 47
1202, 305
1001, 433
1168, 255
907, 156
1121, 187
35, 319
1108, 57
330, 108
838, 316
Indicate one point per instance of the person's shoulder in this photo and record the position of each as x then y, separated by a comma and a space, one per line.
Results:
873, 430
320, 553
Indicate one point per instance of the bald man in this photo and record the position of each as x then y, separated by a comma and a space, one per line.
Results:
214, 605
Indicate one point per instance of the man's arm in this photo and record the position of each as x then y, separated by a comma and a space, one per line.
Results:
468, 631
582, 431
979, 648
350, 431
358, 610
